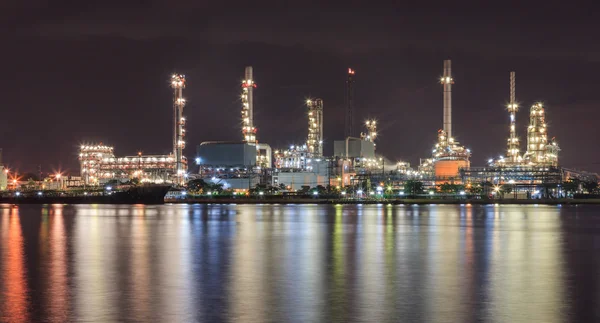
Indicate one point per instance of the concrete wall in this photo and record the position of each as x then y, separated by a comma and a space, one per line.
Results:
298, 179
226, 154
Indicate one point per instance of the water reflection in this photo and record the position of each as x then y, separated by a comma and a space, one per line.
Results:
14, 288
309, 263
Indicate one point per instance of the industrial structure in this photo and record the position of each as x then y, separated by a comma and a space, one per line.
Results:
241, 165
371, 133
537, 167
349, 130
248, 129
98, 163
314, 141
513, 151
448, 156
178, 84
3, 174
540, 152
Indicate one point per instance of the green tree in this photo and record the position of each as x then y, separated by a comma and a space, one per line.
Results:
571, 186
475, 189
413, 187
196, 185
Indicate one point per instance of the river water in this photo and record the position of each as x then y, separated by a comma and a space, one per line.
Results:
299, 263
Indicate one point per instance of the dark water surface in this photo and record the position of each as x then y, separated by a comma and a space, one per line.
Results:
299, 263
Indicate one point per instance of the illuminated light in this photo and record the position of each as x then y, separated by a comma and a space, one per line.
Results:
462, 193
18, 193
344, 193
315, 193
401, 193
431, 193
359, 191
261, 193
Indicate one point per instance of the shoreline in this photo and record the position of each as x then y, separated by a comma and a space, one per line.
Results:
373, 201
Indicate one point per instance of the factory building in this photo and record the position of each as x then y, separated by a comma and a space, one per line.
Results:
226, 154
233, 164
98, 165
295, 179
3, 174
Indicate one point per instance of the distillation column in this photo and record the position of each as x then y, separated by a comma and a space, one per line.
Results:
314, 142
178, 84
248, 85
537, 137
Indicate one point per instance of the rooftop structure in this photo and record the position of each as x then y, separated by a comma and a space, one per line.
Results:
296, 157
371, 133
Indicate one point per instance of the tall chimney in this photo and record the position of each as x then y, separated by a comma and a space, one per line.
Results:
447, 81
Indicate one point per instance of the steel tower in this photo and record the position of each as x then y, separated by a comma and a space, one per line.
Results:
314, 142
248, 129
349, 132
513, 140
178, 84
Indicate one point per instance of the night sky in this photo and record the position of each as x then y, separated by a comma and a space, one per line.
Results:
75, 71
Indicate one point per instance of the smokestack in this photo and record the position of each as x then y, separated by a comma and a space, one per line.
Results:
447, 81
349, 131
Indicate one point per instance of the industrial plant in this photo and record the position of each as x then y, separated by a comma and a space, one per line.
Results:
99, 164
354, 168
354, 165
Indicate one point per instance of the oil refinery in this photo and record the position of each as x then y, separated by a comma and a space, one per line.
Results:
354, 166
354, 163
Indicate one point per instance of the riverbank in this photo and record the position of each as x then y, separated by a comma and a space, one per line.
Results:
380, 201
